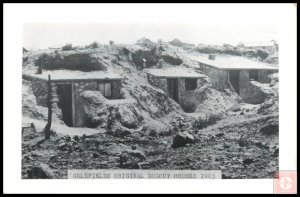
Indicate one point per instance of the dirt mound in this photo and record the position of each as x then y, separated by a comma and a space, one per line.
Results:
178, 43
153, 53
271, 103
105, 113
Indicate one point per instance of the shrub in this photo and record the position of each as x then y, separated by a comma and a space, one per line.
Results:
125, 51
80, 61
83, 62
49, 62
150, 56
208, 119
94, 45
263, 54
67, 47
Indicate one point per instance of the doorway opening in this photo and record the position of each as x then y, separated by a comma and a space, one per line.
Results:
173, 89
253, 74
64, 93
234, 78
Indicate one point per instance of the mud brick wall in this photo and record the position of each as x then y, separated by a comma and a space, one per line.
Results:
248, 92
263, 76
40, 91
158, 82
116, 89
79, 87
218, 77
188, 99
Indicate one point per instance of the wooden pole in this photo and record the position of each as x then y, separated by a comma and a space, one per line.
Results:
49, 105
73, 105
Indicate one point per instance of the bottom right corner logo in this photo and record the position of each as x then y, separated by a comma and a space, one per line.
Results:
286, 182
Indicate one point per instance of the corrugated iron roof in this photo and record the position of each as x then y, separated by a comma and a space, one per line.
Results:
174, 72
68, 75
228, 62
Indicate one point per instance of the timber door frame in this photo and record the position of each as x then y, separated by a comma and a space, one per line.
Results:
73, 104
173, 88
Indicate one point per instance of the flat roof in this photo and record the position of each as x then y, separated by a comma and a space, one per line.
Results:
174, 72
69, 75
228, 62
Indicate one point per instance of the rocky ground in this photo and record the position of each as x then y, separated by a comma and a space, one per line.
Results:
243, 146
150, 130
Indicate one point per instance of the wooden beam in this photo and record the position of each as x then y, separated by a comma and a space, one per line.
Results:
73, 104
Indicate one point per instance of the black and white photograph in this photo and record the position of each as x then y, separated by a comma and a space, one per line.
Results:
173, 99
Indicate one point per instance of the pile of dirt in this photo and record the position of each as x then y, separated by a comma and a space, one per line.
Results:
271, 103
153, 53
106, 113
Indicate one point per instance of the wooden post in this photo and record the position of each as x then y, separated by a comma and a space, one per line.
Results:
49, 105
73, 104
33, 127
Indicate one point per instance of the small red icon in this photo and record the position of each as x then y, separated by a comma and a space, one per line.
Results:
286, 182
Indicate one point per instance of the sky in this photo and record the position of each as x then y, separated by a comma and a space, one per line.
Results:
196, 25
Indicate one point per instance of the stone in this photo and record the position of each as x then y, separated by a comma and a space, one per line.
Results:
218, 159
27, 157
122, 132
181, 139
92, 149
52, 158
67, 138
131, 158
270, 129
153, 133
276, 152
220, 148
144, 165
220, 134
97, 144
226, 145
95, 155
62, 146
40, 172
248, 161
136, 153
76, 138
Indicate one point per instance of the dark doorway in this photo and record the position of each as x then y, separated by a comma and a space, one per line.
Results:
253, 74
64, 93
190, 84
234, 78
173, 89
